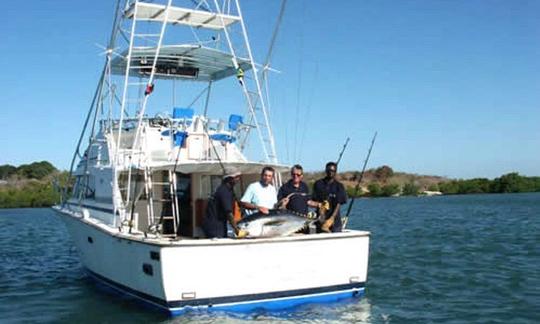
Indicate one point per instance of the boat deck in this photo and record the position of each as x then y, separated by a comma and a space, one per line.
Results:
192, 241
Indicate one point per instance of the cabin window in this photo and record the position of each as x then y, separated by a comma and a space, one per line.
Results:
103, 155
209, 184
183, 194
84, 187
77, 187
90, 191
137, 185
94, 153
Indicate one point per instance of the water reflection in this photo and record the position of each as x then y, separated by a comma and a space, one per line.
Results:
353, 310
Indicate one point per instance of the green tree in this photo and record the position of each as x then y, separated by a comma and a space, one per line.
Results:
410, 189
6, 171
449, 187
389, 190
36, 170
374, 189
511, 182
383, 173
478, 185
33, 194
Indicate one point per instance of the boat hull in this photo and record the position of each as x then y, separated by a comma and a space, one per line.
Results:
225, 274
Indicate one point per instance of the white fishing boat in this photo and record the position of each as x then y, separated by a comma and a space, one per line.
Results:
141, 183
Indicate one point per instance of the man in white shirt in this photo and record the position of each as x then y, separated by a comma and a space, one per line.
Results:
260, 196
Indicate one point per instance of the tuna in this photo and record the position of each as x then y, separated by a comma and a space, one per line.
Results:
275, 224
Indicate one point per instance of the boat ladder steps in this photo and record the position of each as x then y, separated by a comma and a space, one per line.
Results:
169, 199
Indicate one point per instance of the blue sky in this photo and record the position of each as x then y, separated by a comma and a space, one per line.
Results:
452, 87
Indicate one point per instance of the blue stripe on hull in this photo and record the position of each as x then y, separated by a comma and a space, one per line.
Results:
272, 301
277, 304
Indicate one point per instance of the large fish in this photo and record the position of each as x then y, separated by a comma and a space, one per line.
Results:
276, 223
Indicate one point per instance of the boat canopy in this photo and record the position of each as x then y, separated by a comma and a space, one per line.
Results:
180, 62
177, 15
215, 168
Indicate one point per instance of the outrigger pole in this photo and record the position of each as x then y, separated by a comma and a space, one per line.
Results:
346, 218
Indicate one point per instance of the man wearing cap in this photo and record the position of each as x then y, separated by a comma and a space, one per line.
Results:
332, 191
260, 196
220, 208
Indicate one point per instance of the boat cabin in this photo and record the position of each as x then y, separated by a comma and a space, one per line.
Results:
180, 161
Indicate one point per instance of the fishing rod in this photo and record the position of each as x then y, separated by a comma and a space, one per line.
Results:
346, 218
343, 150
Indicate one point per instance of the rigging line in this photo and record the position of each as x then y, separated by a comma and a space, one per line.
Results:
214, 148
264, 70
112, 96
286, 128
207, 102
200, 5
298, 89
99, 108
308, 107
203, 91
274, 35
113, 93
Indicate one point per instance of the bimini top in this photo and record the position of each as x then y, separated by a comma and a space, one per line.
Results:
180, 62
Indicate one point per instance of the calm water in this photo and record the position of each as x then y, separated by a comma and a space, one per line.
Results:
455, 259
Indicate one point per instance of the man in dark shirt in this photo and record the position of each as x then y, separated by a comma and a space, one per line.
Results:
293, 195
331, 190
220, 209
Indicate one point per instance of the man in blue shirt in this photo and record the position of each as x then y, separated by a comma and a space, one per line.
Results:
331, 190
